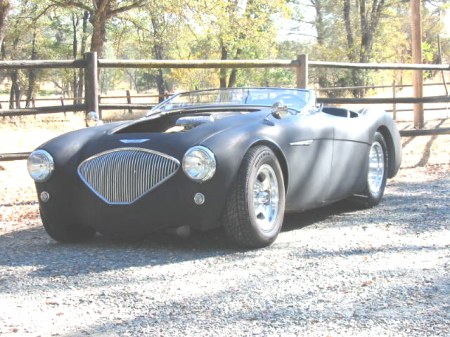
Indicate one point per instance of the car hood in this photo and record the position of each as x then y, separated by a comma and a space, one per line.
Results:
150, 133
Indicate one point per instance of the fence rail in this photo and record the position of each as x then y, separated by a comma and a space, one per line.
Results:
91, 64
43, 110
92, 99
379, 66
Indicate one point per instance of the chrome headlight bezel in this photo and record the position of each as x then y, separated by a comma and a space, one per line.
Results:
40, 165
199, 164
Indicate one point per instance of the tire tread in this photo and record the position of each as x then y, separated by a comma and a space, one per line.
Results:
237, 223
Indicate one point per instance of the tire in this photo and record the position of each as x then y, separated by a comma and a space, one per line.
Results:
377, 171
255, 208
67, 233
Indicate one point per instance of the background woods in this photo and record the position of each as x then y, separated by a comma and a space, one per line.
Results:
344, 30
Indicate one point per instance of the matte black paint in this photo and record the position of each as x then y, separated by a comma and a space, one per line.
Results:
331, 167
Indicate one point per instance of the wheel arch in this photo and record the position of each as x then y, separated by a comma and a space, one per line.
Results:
391, 150
280, 156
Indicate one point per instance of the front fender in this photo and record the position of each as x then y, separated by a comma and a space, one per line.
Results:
230, 147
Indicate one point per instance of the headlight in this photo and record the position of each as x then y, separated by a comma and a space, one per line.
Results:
40, 165
199, 164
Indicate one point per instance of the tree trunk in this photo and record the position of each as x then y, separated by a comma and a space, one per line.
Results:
14, 96
223, 71
84, 37
98, 20
233, 75
75, 23
160, 85
321, 35
31, 75
368, 21
100, 13
5, 6
159, 52
349, 31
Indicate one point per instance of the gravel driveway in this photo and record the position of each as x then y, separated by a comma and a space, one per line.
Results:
337, 271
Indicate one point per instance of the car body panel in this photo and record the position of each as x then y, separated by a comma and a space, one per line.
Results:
323, 157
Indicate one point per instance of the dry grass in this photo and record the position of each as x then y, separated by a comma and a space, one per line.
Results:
425, 158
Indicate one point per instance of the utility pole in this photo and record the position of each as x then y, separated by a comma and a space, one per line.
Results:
417, 59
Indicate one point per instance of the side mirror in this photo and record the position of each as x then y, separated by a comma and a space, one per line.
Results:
92, 119
279, 110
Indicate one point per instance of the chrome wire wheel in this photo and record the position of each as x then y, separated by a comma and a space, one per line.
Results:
376, 173
266, 198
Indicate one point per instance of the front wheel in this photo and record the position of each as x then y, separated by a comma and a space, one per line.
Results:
377, 171
255, 209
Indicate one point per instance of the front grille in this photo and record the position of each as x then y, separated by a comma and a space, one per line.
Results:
124, 175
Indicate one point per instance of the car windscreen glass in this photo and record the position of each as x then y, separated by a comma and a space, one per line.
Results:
295, 99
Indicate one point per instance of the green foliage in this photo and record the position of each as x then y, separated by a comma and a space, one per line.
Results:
219, 29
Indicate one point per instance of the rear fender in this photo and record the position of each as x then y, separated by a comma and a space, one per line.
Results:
384, 124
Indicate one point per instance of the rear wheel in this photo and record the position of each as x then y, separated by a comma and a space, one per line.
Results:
67, 233
377, 171
255, 209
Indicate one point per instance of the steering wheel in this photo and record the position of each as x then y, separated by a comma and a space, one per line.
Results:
290, 98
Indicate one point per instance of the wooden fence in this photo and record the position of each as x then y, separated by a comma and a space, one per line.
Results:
90, 63
128, 97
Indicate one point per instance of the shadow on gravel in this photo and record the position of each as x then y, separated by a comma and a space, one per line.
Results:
102, 253
418, 207
34, 247
414, 207
294, 221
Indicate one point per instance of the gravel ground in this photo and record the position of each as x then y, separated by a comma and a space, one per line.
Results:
341, 270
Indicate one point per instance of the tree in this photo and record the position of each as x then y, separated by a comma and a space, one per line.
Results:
238, 29
366, 31
152, 33
99, 13
359, 49
5, 6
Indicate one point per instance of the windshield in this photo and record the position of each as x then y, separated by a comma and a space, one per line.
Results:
296, 99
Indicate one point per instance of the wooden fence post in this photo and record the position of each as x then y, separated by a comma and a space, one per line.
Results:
100, 111
91, 82
302, 71
130, 111
419, 120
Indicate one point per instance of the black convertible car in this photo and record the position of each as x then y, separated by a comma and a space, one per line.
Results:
236, 157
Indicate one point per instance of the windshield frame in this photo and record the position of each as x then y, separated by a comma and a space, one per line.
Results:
237, 97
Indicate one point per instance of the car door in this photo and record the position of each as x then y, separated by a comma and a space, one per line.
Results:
350, 157
309, 150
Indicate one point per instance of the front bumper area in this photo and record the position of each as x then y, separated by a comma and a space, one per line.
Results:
169, 205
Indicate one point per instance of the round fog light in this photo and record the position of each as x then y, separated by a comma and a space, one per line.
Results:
199, 198
45, 196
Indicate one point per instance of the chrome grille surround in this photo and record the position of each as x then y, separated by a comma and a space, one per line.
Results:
124, 175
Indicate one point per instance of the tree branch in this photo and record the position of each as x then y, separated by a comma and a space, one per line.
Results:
70, 3
119, 10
